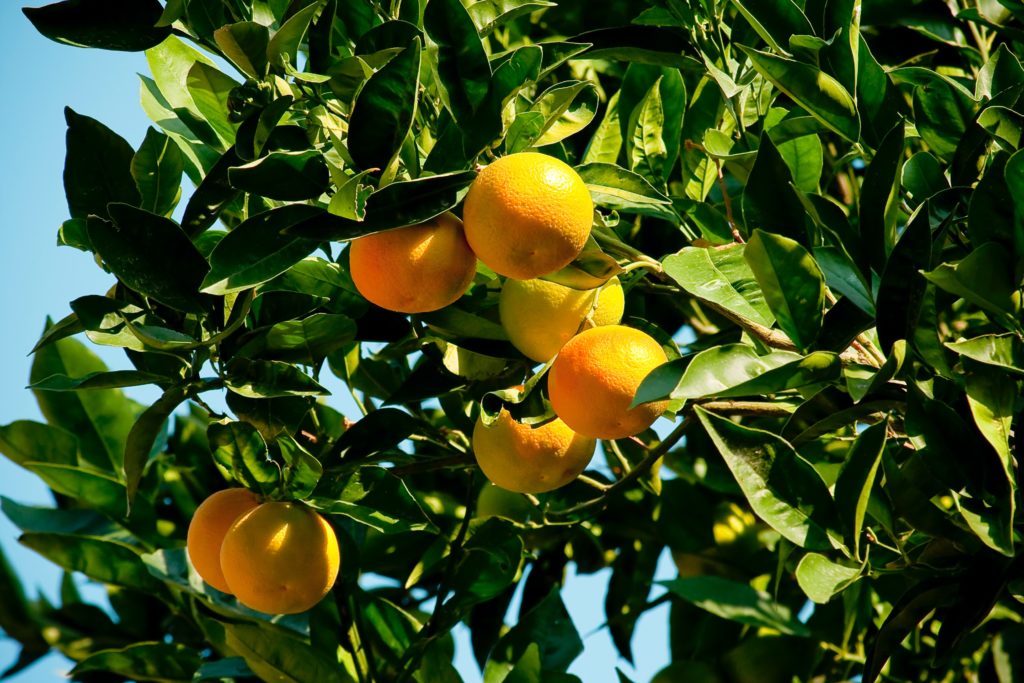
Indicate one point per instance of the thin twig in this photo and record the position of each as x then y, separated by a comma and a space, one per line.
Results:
747, 408
653, 455
691, 145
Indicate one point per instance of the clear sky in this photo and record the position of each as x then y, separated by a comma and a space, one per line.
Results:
38, 279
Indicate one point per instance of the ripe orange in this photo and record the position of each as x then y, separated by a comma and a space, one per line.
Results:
526, 459
415, 269
540, 316
527, 215
280, 558
211, 521
594, 377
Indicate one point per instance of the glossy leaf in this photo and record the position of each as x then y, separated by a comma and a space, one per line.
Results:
269, 379
722, 277
775, 21
769, 202
617, 188
97, 167
737, 602
106, 561
384, 109
462, 64
549, 628
288, 176
792, 282
782, 488
856, 480
821, 579
128, 25
240, 452
157, 167
144, 662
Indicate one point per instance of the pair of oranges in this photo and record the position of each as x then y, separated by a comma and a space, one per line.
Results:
274, 557
526, 215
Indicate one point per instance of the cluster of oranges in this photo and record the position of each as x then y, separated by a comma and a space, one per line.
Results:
526, 215
274, 557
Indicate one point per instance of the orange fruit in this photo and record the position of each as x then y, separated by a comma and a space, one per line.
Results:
540, 316
415, 269
527, 215
525, 459
594, 377
206, 531
280, 558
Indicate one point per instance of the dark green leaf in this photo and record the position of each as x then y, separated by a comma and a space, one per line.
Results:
985, 279
769, 202
737, 602
128, 25
268, 379
143, 436
942, 114
792, 282
25, 441
307, 341
856, 479
782, 488
637, 44
490, 14
384, 110
257, 250
301, 470
106, 561
912, 607
879, 201
96, 380
901, 290
276, 655
775, 21
157, 169
378, 431
376, 498
616, 188
722, 277
820, 94
821, 578
151, 255
490, 562
288, 176
241, 453
549, 628
97, 167
143, 662
462, 63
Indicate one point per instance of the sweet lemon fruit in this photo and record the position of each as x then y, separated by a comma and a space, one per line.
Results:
526, 459
594, 377
206, 531
527, 215
540, 316
280, 558
415, 269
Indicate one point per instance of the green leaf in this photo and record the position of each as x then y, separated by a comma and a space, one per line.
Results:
490, 562
462, 65
1002, 71
821, 578
211, 196
803, 155
821, 95
722, 277
105, 561
241, 453
376, 498
25, 441
170, 62
565, 108
258, 250
547, 627
901, 290
210, 90
737, 602
143, 662
863, 380
306, 341
842, 275
301, 471
95, 489
283, 48
998, 350
637, 44
769, 202
649, 153
792, 282
606, 142
985, 279
856, 479
274, 654
616, 188
145, 432
127, 25
77, 521
408, 202
775, 21
157, 169
490, 14
384, 110
97, 167
287, 176
151, 255
100, 420
992, 396
880, 198
245, 44
942, 113
268, 379
378, 431
782, 488
97, 380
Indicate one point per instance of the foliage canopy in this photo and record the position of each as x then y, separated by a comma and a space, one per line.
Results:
817, 206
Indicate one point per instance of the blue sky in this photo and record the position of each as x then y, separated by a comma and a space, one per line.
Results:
38, 279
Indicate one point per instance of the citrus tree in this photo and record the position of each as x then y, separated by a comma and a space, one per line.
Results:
794, 228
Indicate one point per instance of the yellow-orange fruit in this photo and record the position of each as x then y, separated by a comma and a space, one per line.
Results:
526, 459
594, 377
527, 215
415, 269
540, 316
206, 531
281, 558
